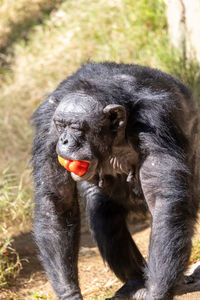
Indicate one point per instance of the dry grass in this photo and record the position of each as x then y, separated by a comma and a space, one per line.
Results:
195, 256
10, 264
15, 201
104, 30
17, 16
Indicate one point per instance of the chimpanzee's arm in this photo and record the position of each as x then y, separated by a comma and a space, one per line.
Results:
107, 220
165, 183
57, 235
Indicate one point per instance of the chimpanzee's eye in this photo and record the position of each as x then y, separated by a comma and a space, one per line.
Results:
60, 126
80, 126
75, 127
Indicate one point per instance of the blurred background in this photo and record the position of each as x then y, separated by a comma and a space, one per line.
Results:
43, 41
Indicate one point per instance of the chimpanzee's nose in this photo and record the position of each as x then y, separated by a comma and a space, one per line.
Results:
64, 139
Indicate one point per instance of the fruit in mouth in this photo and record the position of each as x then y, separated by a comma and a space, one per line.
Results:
79, 167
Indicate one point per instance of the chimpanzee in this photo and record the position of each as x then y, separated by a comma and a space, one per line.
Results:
137, 129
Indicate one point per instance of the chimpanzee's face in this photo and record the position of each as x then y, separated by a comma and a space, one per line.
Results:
85, 131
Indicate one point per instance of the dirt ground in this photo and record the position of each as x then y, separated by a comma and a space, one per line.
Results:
96, 280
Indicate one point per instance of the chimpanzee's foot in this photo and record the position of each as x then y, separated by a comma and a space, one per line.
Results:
131, 290
191, 282
135, 290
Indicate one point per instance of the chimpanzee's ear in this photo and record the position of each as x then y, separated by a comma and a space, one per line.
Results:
116, 114
53, 100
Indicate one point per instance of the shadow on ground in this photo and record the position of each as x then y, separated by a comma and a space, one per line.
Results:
28, 251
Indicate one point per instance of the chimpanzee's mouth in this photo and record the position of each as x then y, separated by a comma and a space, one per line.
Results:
78, 167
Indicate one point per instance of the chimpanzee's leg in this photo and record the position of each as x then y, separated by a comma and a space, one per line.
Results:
108, 226
165, 184
57, 229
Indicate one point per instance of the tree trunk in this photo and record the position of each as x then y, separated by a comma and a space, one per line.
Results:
184, 26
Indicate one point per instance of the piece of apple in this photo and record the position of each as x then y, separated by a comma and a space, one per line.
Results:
78, 167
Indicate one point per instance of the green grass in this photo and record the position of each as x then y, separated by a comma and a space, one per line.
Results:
40, 296
195, 256
15, 208
15, 201
108, 294
17, 18
10, 264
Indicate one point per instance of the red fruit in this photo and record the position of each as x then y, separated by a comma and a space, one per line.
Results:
78, 167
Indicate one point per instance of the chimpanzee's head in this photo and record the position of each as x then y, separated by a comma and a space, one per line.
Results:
87, 130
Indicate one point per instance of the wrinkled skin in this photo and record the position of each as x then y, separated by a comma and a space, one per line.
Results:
139, 130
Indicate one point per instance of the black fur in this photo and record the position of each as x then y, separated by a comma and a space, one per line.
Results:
140, 131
